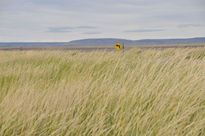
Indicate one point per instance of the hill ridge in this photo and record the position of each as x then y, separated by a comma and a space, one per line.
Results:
111, 41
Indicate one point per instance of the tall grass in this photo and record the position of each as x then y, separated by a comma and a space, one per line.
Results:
138, 92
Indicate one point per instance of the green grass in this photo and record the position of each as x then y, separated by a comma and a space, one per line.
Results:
138, 92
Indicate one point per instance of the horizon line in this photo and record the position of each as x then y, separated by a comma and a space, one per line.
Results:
96, 39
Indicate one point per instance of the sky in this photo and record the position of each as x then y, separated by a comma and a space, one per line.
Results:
66, 20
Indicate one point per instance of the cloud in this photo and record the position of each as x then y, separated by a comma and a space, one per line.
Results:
143, 30
90, 33
86, 27
64, 29
189, 25
37, 20
59, 29
2, 4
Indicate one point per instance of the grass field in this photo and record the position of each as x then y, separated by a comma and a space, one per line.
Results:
138, 92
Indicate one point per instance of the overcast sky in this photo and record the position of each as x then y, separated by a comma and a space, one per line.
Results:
65, 20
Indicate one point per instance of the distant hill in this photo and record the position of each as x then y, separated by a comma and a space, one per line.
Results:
111, 41
104, 42
32, 44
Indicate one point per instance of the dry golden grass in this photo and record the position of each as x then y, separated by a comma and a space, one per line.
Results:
138, 92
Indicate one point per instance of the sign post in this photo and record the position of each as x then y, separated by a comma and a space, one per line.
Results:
119, 46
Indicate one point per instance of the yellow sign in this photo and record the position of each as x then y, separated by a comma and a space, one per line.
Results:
118, 46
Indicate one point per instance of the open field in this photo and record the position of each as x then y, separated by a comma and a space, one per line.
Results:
99, 48
137, 92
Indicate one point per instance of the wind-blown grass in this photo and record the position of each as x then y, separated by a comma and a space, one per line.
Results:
138, 92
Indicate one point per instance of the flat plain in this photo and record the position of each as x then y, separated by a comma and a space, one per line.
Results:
86, 48
143, 92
